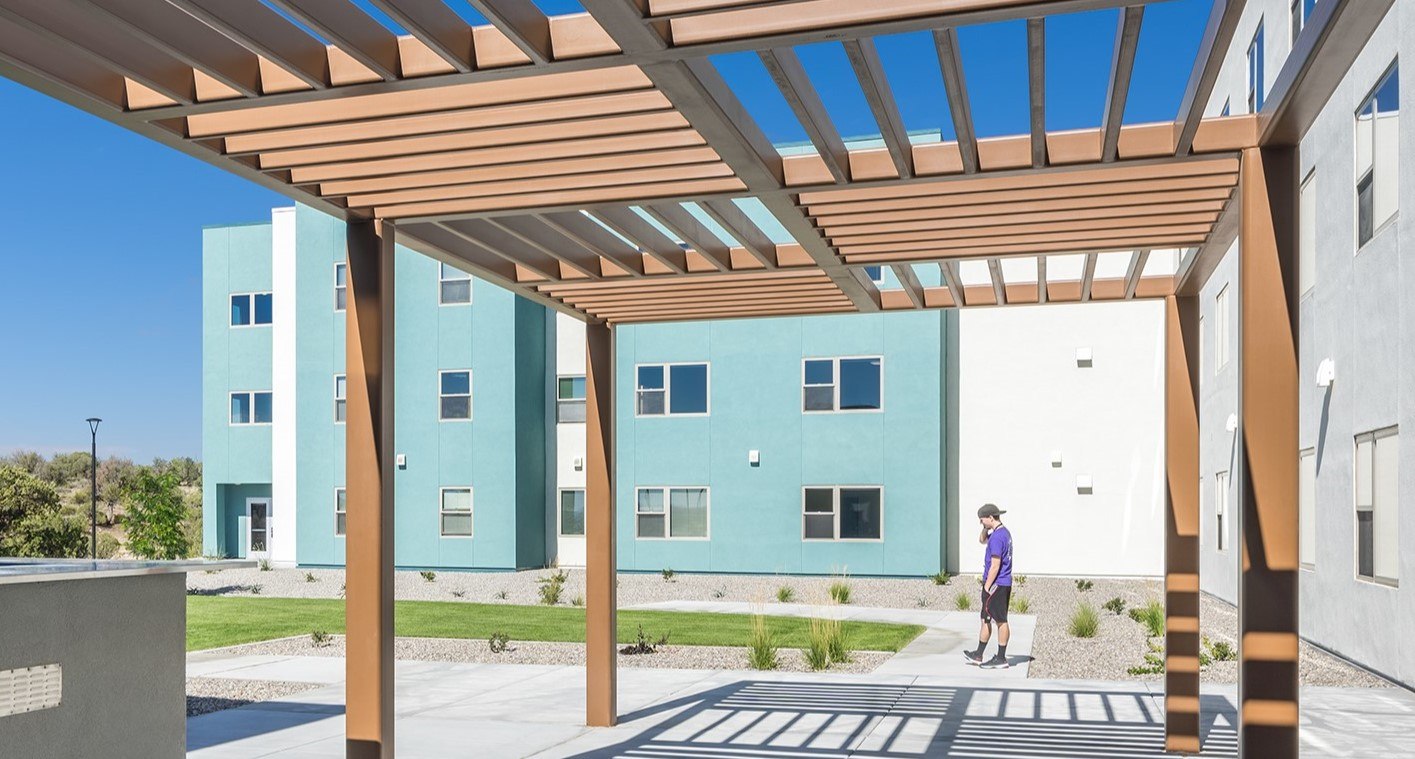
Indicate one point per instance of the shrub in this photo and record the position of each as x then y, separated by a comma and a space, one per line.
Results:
155, 513
32, 522
320, 638
108, 546
309, 577
963, 601
428, 576
1151, 615
921, 602
667, 573
761, 645
1085, 622
501, 594
1220, 651
835, 642
1020, 580
551, 587
254, 589
577, 601
940, 578
264, 565
343, 589
818, 645
643, 645
1019, 604
840, 592
719, 592
459, 594
1115, 606
1084, 585
1154, 662
785, 594
498, 642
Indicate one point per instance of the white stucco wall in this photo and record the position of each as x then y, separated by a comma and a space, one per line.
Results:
569, 437
284, 483
1022, 397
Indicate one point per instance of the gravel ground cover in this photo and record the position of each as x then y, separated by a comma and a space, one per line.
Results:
213, 694
479, 652
1120, 644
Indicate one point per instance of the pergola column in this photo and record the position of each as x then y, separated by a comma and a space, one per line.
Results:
1268, 408
601, 708
369, 491
1181, 535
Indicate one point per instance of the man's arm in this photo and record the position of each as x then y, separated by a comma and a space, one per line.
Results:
983, 537
994, 567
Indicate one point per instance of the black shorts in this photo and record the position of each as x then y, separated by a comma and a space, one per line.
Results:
995, 606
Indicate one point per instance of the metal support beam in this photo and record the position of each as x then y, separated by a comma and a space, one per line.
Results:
1181, 533
601, 706
369, 492
1267, 410
1037, 93
1122, 67
950, 59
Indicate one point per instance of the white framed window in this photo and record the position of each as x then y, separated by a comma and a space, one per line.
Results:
1221, 510
341, 403
454, 286
454, 400
671, 513
671, 389
1301, 11
1377, 506
853, 383
572, 513
250, 407
876, 275
1307, 234
1307, 508
1203, 343
341, 512
1377, 153
1221, 329
455, 512
341, 286
842, 512
570, 398
251, 310
1255, 71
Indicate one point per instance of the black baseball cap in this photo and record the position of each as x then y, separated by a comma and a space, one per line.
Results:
990, 510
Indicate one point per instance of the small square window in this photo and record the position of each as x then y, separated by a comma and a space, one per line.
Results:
240, 310
454, 286
341, 512
341, 288
570, 399
251, 408
842, 513
671, 389
456, 512
251, 310
572, 513
340, 398
843, 384
672, 512
455, 396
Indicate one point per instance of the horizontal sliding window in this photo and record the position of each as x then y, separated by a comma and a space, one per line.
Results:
668, 512
251, 310
843, 384
671, 389
456, 513
570, 399
454, 286
250, 407
842, 513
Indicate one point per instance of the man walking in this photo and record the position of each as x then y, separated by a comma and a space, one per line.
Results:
997, 587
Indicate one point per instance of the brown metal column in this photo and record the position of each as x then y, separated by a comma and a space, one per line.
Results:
1268, 403
601, 706
369, 492
1181, 533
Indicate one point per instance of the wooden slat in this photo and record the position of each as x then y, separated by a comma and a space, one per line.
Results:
621, 179
949, 271
708, 308
1099, 245
1122, 67
496, 239
1027, 205
790, 76
685, 284
1036, 90
1186, 231
436, 26
546, 238
643, 234
523, 23
718, 294
735, 221
538, 202
677, 219
351, 30
864, 59
184, 38
951, 221
266, 32
963, 230
950, 60
910, 282
586, 232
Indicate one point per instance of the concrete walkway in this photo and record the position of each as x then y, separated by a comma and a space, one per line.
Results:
938, 651
506, 711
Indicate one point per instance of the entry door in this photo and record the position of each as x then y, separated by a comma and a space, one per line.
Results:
259, 528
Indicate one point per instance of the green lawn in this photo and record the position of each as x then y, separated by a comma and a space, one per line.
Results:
214, 621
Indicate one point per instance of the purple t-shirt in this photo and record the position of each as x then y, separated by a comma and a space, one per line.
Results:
999, 544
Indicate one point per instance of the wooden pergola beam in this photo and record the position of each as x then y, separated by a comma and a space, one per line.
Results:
1122, 69
735, 221
1088, 276
260, 29
678, 220
523, 23
352, 31
184, 37
1218, 37
586, 232
1135, 271
436, 26
637, 230
538, 234
481, 233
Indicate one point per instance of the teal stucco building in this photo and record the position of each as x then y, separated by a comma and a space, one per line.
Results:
785, 445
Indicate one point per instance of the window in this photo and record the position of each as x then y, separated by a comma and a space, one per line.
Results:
672, 389
1221, 510
842, 384
842, 513
340, 398
454, 286
250, 407
456, 513
1221, 330
1255, 71
680, 513
1377, 456
1227, 108
1307, 235
876, 275
341, 512
1377, 136
1307, 508
572, 513
341, 286
1301, 11
1202, 343
251, 310
455, 396
570, 399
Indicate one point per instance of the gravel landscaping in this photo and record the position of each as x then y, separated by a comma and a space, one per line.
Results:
1121, 643
479, 652
213, 694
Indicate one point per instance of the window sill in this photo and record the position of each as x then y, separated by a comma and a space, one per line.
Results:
1376, 235
673, 540
1381, 582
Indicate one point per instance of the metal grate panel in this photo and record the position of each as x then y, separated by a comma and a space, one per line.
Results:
30, 689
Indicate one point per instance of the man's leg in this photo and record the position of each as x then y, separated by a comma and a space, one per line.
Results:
984, 634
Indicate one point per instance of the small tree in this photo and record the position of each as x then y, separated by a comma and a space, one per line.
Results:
155, 513
31, 522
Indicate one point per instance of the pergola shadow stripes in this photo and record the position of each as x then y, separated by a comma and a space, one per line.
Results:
599, 164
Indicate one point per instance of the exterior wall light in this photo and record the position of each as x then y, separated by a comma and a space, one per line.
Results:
1083, 484
1231, 424
1326, 373
1083, 357
754, 457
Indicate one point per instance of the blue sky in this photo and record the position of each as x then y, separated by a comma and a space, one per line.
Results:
100, 297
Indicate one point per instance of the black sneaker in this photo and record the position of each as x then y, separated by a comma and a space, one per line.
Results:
973, 657
996, 662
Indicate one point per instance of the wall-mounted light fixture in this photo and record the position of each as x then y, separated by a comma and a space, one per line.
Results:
1083, 484
1083, 357
1231, 424
1326, 373
402, 460
578, 463
1056, 459
754, 457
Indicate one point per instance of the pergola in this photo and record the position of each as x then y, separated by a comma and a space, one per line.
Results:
593, 163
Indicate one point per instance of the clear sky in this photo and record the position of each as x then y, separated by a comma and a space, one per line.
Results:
100, 297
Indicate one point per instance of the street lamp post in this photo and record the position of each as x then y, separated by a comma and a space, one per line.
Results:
93, 488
